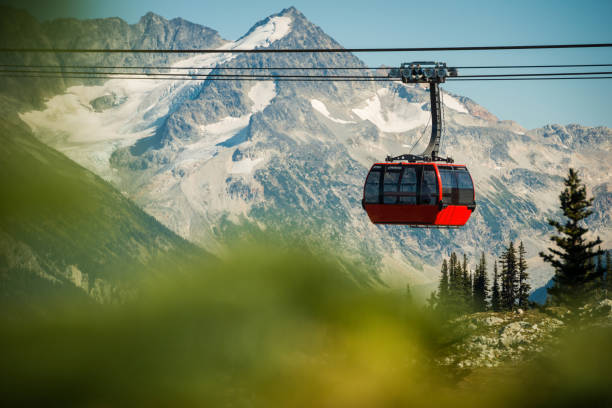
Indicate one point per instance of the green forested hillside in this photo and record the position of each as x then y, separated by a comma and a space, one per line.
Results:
62, 226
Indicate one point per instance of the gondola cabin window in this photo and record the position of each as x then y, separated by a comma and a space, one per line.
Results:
429, 186
408, 185
372, 187
465, 186
457, 187
391, 184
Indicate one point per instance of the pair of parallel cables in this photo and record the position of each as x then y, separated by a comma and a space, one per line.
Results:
271, 73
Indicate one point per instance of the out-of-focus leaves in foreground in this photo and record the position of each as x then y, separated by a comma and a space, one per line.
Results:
268, 330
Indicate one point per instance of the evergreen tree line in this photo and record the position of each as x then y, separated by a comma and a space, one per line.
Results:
461, 290
582, 273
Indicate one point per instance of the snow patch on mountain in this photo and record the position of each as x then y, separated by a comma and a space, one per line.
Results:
392, 114
226, 126
322, 109
244, 166
453, 103
80, 123
264, 35
260, 37
261, 94
215, 134
71, 124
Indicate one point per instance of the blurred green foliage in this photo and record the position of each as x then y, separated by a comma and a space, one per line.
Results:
271, 328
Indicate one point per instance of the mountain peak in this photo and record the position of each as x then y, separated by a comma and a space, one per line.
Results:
301, 32
151, 17
291, 12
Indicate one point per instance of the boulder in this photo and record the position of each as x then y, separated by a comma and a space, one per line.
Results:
512, 334
492, 321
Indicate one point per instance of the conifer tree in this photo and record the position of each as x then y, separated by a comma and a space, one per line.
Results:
523, 286
572, 261
409, 298
502, 274
481, 285
475, 275
599, 265
432, 301
509, 278
443, 286
608, 276
472, 298
600, 284
455, 300
495, 295
453, 280
466, 286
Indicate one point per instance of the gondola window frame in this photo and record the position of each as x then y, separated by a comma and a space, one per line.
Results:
374, 181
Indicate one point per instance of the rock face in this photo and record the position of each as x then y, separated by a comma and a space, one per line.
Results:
497, 338
492, 321
512, 334
492, 339
151, 32
601, 311
216, 159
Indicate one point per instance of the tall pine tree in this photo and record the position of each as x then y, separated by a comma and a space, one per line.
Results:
453, 278
443, 287
600, 284
573, 260
455, 300
523, 286
495, 295
409, 298
608, 276
509, 278
466, 285
432, 300
481, 285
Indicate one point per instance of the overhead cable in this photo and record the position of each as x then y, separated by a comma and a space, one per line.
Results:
280, 78
236, 76
221, 68
299, 50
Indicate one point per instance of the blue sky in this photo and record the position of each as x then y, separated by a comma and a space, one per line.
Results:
412, 24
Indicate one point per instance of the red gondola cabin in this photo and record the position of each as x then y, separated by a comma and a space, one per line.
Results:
419, 194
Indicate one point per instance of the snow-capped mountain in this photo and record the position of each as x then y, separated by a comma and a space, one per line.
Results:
208, 157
